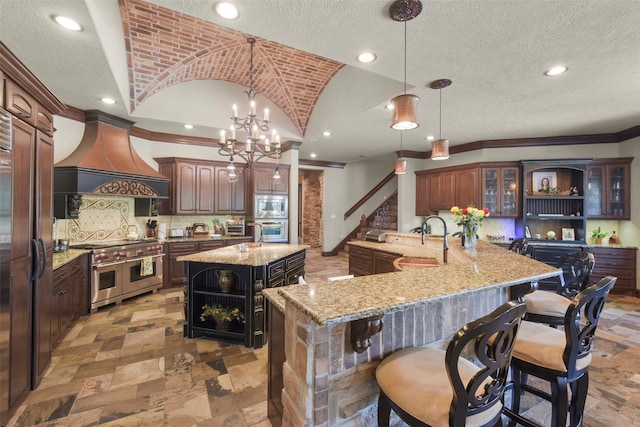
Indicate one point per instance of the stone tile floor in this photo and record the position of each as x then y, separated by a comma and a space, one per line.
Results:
129, 365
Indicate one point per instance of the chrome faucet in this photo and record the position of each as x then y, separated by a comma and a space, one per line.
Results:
445, 245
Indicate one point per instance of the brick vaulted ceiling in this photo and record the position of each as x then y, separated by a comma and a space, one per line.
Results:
165, 48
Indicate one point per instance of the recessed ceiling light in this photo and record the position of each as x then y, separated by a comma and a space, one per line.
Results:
367, 57
389, 106
67, 23
556, 70
188, 126
430, 138
226, 10
108, 100
326, 133
313, 155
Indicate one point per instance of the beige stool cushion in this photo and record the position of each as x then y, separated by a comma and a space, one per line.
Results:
547, 303
543, 345
416, 379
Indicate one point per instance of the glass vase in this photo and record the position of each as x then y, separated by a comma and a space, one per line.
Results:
470, 236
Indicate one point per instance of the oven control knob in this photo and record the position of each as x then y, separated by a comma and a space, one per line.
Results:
139, 251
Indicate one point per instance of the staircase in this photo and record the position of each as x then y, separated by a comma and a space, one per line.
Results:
384, 218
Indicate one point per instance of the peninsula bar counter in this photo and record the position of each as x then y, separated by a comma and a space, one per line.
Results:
326, 381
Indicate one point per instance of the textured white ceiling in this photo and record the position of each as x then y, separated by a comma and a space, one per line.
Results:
494, 52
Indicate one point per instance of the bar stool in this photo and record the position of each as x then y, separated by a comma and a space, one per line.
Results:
561, 357
550, 307
430, 387
519, 246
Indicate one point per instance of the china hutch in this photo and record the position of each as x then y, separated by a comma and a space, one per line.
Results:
554, 200
608, 188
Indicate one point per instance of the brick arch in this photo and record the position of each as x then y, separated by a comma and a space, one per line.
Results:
165, 48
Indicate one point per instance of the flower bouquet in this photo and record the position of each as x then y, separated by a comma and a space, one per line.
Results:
470, 219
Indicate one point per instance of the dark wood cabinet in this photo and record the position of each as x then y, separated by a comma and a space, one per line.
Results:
609, 189
69, 296
201, 188
365, 261
440, 189
174, 270
500, 190
467, 188
618, 262
360, 261
423, 195
26, 345
176, 276
195, 185
190, 187
383, 262
229, 196
263, 179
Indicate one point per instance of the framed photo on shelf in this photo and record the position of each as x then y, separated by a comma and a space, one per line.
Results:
544, 182
568, 234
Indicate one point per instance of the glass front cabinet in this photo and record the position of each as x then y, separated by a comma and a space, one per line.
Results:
608, 188
501, 189
554, 200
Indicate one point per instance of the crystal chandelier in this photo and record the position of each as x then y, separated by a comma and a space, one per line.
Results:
258, 143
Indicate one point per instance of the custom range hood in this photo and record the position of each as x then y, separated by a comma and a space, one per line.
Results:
105, 163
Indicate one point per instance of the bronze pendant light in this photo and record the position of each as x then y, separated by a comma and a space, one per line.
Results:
401, 162
405, 105
440, 147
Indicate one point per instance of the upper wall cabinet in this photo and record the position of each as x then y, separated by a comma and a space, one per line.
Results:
263, 179
229, 196
440, 189
199, 188
609, 188
501, 189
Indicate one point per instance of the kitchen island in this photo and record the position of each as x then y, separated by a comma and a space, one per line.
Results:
234, 277
336, 333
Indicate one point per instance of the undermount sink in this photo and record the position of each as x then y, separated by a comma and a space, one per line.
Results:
413, 262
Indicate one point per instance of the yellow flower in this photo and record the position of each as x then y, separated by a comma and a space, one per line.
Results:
454, 209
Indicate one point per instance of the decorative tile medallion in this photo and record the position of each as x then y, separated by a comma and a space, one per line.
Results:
100, 219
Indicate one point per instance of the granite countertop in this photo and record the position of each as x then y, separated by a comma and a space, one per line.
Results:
62, 258
361, 297
254, 256
204, 238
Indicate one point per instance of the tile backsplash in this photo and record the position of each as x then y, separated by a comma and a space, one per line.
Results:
112, 218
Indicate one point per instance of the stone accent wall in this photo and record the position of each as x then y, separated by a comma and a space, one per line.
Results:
327, 384
312, 188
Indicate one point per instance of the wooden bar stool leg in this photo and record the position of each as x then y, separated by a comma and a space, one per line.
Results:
384, 410
578, 399
560, 400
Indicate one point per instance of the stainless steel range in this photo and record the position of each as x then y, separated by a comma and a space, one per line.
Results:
123, 269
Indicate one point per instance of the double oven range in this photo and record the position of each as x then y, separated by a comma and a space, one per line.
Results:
123, 269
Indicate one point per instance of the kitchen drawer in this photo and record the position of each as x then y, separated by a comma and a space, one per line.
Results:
359, 252
211, 244
360, 266
383, 262
183, 247
295, 261
617, 253
276, 268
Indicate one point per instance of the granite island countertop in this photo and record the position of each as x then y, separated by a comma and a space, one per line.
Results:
361, 297
254, 256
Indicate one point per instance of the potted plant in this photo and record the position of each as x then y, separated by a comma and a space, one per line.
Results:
598, 235
223, 315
